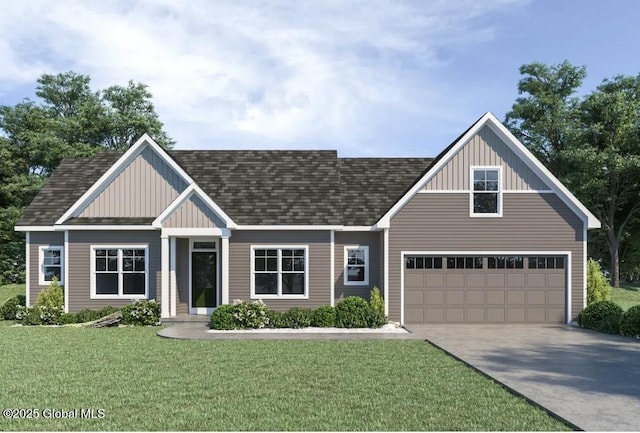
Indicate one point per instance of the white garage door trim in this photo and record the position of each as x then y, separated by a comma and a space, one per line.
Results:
488, 253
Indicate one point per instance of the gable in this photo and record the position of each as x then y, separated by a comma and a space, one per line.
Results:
486, 149
193, 213
143, 189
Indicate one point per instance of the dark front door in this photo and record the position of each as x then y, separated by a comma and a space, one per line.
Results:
203, 279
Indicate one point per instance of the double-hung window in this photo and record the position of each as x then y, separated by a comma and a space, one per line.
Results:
486, 192
279, 272
356, 266
51, 264
119, 272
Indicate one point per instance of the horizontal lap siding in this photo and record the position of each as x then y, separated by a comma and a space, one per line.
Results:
441, 222
38, 239
373, 241
318, 266
79, 278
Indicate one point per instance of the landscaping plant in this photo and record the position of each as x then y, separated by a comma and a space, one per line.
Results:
603, 316
11, 306
352, 312
597, 287
251, 314
324, 317
630, 322
223, 318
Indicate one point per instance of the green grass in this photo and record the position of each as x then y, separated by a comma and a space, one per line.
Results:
9, 290
143, 382
626, 295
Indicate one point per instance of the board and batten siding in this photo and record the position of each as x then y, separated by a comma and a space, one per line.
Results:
485, 148
143, 189
374, 241
318, 265
530, 222
193, 213
78, 281
38, 239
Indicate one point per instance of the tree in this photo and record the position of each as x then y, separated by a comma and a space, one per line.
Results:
67, 119
545, 117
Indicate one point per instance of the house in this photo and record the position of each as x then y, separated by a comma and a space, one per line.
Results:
483, 233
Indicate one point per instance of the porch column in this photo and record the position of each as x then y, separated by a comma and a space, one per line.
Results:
164, 273
224, 264
173, 286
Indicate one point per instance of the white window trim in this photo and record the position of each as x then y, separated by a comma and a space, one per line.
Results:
280, 248
119, 247
346, 281
500, 191
41, 275
192, 249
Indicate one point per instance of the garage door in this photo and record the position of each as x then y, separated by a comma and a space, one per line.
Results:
484, 289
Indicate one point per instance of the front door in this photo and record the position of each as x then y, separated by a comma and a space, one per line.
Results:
204, 278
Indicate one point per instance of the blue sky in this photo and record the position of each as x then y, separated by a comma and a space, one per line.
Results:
366, 77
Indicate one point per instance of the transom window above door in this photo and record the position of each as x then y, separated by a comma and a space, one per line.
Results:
486, 192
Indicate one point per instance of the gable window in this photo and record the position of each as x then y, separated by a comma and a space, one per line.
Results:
279, 272
486, 191
51, 264
119, 272
356, 266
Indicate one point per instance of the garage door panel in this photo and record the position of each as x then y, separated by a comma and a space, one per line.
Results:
472, 294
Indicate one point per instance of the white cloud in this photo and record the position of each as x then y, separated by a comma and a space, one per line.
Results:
254, 73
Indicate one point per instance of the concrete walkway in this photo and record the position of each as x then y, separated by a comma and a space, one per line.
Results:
590, 379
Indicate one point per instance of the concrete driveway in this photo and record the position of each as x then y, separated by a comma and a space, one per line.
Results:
590, 379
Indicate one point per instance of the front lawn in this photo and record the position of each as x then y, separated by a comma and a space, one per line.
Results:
143, 382
9, 290
626, 295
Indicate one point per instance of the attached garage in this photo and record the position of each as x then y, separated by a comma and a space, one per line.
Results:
474, 288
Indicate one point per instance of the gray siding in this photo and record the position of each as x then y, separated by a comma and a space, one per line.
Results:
38, 239
143, 189
182, 276
373, 241
485, 148
441, 222
194, 213
79, 279
319, 262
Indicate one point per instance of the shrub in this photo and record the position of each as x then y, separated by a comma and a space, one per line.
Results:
602, 315
28, 315
50, 302
106, 311
297, 318
324, 317
67, 318
352, 312
84, 316
222, 317
251, 314
376, 319
376, 301
630, 322
597, 287
277, 319
145, 312
10, 306
127, 318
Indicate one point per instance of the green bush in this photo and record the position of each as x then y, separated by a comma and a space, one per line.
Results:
67, 318
376, 301
106, 311
376, 319
277, 319
222, 318
127, 318
324, 317
28, 315
630, 322
145, 312
601, 316
10, 306
352, 312
84, 316
597, 287
50, 302
297, 318
251, 314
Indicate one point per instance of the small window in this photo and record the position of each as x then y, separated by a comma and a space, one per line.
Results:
465, 263
119, 272
356, 267
423, 262
51, 265
279, 272
546, 262
486, 199
204, 245
505, 262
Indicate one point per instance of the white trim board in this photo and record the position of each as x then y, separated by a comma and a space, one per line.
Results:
204, 310
568, 279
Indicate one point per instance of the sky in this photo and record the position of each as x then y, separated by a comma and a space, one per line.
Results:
369, 78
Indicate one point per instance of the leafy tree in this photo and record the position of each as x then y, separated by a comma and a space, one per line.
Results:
68, 119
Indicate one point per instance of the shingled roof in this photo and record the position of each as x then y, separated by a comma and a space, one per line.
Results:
256, 187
